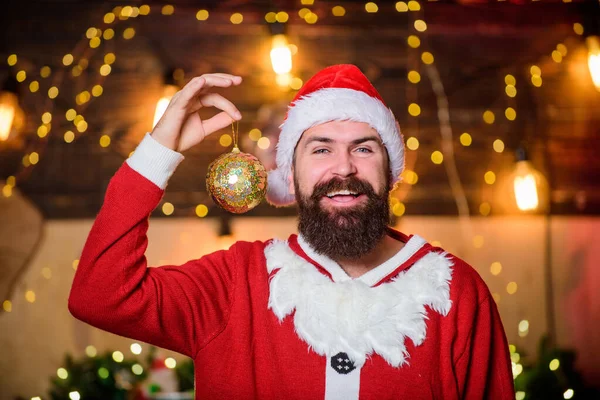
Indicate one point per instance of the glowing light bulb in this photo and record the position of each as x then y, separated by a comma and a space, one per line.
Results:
281, 55
162, 104
593, 44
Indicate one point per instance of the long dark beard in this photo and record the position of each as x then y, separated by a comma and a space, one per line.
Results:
344, 233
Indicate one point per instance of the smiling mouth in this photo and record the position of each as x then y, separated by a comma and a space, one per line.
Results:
343, 197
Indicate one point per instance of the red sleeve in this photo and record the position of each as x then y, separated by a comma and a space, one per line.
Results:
179, 308
483, 369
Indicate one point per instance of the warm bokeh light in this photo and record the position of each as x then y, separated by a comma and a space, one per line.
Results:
69, 136
401, 6
496, 268
118, 356
557, 56
410, 177
485, 208
225, 140
413, 41
168, 208
45, 72
311, 18
371, 7
109, 58
511, 91
109, 18
427, 58
91, 351
414, 77
263, 143
478, 241
510, 114
201, 210
498, 146
338, 11
104, 140
30, 296
398, 209
170, 363
255, 134
136, 348
202, 15
523, 326
137, 369
62, 373
282, 17
414, 109
412, 143
511, 288
510, 80
465, 139
420, 25
105, 70
296, 83
489, 117
414, 5
95, 42
562, 49
437, 157
97, 91
554, 364
67, 59
128, 33
236, 18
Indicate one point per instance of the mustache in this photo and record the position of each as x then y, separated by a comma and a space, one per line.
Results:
352, 184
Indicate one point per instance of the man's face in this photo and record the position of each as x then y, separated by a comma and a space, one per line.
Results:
341, 182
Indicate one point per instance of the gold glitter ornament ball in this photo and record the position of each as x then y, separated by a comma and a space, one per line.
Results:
237, 181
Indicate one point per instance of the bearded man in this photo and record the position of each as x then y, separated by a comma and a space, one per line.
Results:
348, 308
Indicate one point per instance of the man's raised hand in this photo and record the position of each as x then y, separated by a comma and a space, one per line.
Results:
181, 127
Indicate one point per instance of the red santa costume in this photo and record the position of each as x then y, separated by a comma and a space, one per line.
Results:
275, 319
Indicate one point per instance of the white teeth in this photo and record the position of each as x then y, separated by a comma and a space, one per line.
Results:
341, 192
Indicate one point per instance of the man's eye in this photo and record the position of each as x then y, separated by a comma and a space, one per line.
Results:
320, 151
364, 150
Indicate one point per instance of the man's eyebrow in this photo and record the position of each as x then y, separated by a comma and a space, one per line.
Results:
367, 139
318, 139
354, 142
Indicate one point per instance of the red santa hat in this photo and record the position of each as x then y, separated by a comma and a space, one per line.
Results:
336, 93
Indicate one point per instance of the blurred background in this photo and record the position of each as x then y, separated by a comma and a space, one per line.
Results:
499, 105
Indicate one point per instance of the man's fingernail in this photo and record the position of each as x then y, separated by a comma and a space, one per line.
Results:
238, 115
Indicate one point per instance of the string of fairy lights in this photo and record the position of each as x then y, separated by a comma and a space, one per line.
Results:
47, 83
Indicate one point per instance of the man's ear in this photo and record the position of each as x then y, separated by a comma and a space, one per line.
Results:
291, 187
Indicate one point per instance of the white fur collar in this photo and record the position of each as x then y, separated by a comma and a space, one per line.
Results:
350, 316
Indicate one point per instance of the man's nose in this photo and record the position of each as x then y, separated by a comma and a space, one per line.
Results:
344, 165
